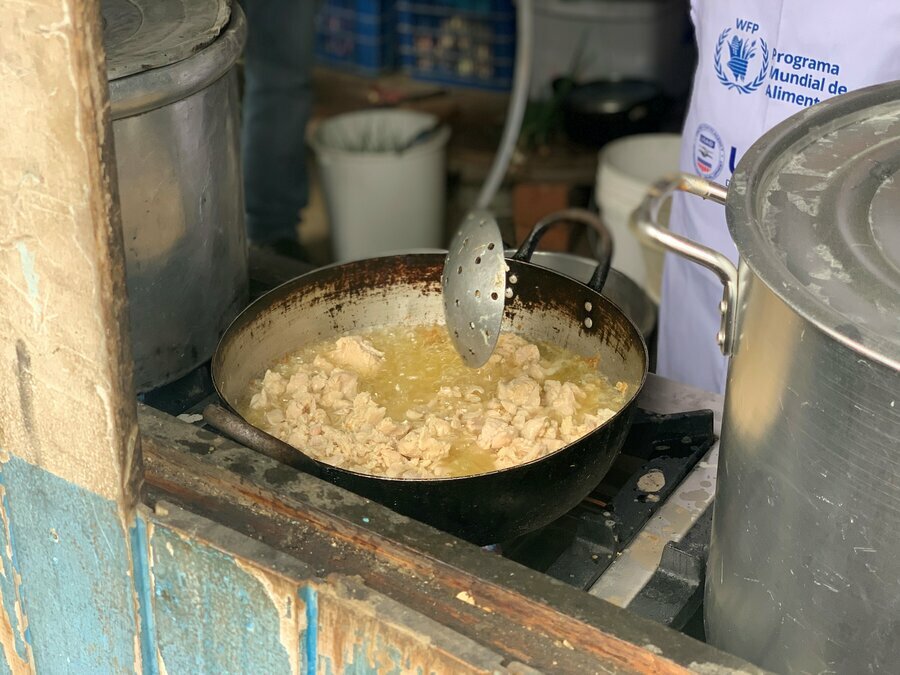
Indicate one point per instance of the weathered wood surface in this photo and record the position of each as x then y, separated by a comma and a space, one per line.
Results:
69, 451
67, 402
265, 611
524, 616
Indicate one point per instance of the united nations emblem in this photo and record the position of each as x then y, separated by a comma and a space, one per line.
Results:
745, 58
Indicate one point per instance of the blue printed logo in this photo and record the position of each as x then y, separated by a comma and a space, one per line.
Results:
709, 152
746, 59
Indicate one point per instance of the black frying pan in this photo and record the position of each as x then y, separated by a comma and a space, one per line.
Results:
546, 306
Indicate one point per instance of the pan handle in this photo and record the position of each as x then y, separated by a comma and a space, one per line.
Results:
581, 217
246, 434
645, 221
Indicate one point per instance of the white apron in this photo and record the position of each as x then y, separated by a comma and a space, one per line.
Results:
760, 61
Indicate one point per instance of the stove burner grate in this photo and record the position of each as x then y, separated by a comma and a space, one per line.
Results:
659, 452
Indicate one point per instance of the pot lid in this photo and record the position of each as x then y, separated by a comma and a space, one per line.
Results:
814, 208
140, 35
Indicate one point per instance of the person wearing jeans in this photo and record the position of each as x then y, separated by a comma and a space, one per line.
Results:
277, 105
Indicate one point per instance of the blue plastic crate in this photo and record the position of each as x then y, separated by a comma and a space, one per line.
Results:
468, 43
357, 35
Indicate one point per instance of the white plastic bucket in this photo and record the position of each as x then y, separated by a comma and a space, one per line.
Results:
628, 167
380, 200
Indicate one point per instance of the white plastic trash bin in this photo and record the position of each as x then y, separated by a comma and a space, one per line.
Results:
379, 199
627, 168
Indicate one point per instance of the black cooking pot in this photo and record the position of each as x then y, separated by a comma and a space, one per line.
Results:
595, 113
406, 289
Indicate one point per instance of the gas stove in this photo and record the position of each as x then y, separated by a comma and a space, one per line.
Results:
640, 539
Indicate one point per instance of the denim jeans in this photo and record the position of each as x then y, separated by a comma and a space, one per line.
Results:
277, 104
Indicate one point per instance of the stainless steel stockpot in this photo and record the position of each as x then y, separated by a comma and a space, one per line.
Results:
804, 565
174, 104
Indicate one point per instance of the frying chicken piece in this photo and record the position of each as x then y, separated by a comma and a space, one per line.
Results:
324, 407
259, 400
534, 428
534, 371
419, 443
299, 406
355, 353
299, 382
274, 417
519, 392
496, 433
366, 414
474, 394
273, 383
526, 354
320, 363
562, 397
340, 386
392, 429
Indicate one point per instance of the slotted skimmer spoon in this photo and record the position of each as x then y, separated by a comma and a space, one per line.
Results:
474, 278
474, 287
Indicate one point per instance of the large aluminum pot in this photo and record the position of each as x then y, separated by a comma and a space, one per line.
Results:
804, 565
174, 104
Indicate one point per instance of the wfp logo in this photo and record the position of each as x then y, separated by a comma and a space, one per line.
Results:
745, 58
709, 151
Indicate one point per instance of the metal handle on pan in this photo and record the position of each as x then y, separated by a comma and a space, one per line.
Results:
581, 217
645, 220
244, 433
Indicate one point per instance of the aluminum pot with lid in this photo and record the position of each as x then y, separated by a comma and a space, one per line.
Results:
174, 105
804, 558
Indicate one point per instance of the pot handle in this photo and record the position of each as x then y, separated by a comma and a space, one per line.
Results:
246, 434
581, 217
645, 221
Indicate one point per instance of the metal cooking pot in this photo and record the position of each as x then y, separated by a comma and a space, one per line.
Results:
595, 113
545, 306
174, 105
618, 287
805, 554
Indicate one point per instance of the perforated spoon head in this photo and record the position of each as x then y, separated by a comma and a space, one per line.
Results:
474, 288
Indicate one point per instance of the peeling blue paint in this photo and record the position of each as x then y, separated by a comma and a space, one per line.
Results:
393, 653
70, 549
356, 660
26, 259
140, 556
310, 598
8, 585
211, 616
4, 667
360, 663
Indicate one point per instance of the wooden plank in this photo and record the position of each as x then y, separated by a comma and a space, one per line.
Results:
69, 453
514, 611
66, 403
263, 611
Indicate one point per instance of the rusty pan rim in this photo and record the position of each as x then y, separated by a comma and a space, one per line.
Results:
257, 307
